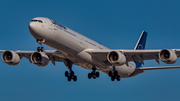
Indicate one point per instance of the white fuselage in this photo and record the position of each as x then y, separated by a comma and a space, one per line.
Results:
73, 45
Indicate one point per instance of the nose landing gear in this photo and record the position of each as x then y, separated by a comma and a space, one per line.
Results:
40, 41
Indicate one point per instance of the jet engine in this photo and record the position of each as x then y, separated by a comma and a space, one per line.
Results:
116, 58
168, 56
40, 59
10, 57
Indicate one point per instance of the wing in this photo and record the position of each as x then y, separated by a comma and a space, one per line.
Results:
131, 55
53, 55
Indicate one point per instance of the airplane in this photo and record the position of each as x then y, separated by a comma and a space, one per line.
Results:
72, 48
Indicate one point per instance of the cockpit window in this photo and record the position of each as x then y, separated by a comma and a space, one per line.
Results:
40, 21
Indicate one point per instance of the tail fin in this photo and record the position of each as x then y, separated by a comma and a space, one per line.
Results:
141, 42
140, 46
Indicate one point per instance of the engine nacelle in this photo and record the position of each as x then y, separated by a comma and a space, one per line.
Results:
116, 58
168, 56
10, 57
40, 59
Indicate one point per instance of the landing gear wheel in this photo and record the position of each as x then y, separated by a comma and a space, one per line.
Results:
97, 74
66, 74
118, 78
110, 73
93, 74
38, 49
112, 78
42, 49
75, 78
89, 75
69, 78
72, 73
115, 73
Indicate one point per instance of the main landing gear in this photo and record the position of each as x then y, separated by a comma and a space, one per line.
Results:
70, 75
93, 74
114, 75
40, 41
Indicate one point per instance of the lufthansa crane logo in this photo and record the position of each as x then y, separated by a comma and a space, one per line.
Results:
140, 46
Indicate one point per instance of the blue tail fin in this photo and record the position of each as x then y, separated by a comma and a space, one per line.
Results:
141, 42
140, 46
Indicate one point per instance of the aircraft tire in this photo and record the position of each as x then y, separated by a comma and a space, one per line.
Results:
97, 74
94, 77
118, 78
112, 78
42, 49
69, 78
110, 73
72, 73
66, 74
75, 78
89, 75
38, 49
115, 73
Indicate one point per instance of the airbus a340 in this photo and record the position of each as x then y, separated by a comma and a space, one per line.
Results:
74, 48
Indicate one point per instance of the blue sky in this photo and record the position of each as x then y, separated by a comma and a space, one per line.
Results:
117, 24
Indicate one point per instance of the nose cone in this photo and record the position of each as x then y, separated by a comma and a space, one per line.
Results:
31, 26
34, 30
